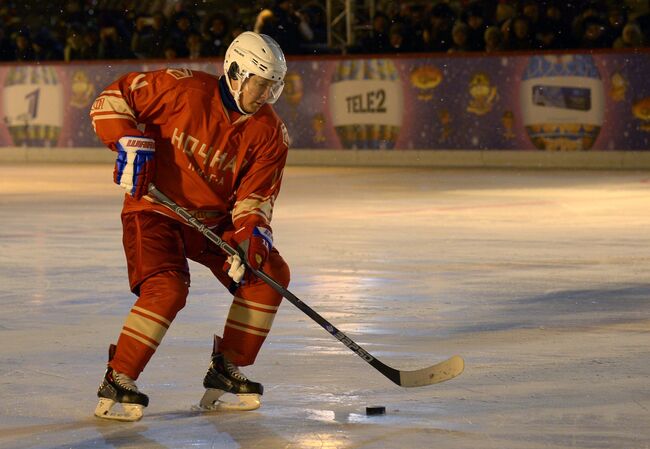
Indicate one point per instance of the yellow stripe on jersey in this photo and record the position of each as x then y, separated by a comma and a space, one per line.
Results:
254, 204
111, 104
138, 82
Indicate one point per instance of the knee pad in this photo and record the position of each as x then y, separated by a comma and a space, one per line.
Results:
164, 293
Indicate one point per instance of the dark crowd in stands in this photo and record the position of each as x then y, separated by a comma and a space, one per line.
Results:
168, 29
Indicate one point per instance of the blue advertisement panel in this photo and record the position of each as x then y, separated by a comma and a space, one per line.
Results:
543, 102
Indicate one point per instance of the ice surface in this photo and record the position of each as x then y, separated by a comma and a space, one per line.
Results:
538, 278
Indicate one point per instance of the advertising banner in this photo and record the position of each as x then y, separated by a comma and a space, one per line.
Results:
542, 102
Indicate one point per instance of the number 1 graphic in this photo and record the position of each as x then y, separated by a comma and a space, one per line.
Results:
32, 98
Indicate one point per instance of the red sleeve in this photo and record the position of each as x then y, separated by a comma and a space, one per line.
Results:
135, 98
260, 185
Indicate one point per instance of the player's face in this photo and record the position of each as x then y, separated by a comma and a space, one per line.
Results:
255, 92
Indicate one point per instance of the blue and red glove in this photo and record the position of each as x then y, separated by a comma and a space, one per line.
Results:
135, 164
254, 244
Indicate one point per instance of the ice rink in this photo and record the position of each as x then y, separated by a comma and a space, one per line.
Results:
539, 279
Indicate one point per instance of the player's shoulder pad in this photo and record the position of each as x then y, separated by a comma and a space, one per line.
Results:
192, 79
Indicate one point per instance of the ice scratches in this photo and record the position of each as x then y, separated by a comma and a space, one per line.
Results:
24, 372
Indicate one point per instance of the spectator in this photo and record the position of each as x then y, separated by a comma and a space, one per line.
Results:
493, 39
398, 40
74, 44
378, 41
195, 47
46, 46
169, 51
24, 50
616, 19
7, 49
551, 25
315, 16
581, 18
73, 13
530, 10
438, 35
111, 44
40, 48
90, 47
631, 37
416, 27
547, 36
180, 30
504, 13
594, 34
553, 21
236, 30
476, 27
215, 34
148, 37
288, 27
459, 37
519, 35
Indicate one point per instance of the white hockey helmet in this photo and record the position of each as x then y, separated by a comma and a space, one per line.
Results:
255, 54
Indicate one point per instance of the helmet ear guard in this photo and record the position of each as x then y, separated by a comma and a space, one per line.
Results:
233, 71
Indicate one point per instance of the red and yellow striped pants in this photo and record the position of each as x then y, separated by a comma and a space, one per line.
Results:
157, 249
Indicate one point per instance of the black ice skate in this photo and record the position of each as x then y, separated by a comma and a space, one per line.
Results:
224, 377
118, 388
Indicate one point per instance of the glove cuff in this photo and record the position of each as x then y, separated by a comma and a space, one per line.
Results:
135, 143
265, 234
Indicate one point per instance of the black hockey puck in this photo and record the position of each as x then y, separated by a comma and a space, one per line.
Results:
376, 410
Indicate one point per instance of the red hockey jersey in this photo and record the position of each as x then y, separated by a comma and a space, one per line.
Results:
218, 164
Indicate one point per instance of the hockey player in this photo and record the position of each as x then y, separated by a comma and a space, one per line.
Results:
216, 147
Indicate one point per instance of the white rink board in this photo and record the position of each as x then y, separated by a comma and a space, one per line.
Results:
539, 279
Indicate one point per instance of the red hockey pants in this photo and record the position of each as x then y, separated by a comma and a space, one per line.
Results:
157, 249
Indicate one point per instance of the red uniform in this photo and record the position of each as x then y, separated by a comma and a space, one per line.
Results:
223, 166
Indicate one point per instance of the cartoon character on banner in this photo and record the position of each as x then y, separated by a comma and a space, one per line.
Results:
562, 101
318, 126
366, 103
33, 104
293, 91
425, 78
482, 93
641, 110
619, 87
508, 122
82, 90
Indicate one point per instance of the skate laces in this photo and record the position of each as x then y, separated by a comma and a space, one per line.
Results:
234, 371
125, 381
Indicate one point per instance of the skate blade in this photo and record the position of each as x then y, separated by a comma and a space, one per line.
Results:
212, 401
129, 413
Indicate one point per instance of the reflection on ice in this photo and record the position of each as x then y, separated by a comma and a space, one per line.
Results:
538, 278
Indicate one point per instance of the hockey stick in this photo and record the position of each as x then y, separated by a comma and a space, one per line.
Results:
439, 372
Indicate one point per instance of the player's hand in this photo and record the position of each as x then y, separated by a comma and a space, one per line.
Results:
135, 164
254, 243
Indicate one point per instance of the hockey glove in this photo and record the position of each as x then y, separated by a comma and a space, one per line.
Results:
237, 268
254, 244
134, 167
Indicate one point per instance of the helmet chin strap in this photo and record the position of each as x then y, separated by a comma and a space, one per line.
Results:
236, 94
